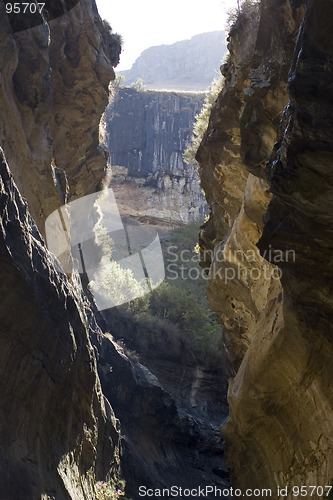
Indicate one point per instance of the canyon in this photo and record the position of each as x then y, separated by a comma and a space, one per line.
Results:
67, 384
78, 409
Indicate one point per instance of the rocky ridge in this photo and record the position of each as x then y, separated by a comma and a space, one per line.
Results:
275, 305
187, 65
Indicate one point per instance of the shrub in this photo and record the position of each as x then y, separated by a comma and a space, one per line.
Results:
118, 82
244, 9
113, 284
180, 307
107, 491
114, 43
201, 120
139, 85
176, 309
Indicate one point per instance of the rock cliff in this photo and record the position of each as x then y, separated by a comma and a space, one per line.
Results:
43, 69
59, 371
57, 436
275, 304
146, 135
58, 433
266, 170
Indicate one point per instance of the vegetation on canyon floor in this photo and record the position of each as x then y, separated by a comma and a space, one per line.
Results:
178, 308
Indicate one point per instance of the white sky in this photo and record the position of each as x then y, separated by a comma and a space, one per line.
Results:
144, 23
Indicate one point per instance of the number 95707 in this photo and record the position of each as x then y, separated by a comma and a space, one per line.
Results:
24, 8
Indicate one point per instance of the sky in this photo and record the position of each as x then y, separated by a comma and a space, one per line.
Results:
145, 23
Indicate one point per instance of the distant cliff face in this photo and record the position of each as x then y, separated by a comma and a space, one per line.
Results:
186, 65
147, 133
275, 304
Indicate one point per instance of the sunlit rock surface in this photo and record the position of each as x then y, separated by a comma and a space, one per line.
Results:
242, 286
58, 435
45, 71
277, 331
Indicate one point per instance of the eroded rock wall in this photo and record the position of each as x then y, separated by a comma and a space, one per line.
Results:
45, 72
275, 306
59, 371
58, 435
243, 286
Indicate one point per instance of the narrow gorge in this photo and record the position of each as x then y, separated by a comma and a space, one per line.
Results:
98, 403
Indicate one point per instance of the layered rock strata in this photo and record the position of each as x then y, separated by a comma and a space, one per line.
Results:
275, 306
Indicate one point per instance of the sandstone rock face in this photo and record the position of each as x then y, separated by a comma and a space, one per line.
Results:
147, 133
44, 70
276, 322
186, 65
238, 199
